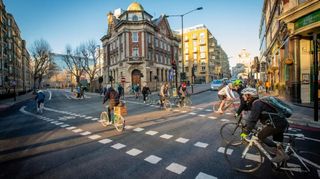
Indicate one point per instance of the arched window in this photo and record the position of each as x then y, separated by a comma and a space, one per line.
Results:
134, 18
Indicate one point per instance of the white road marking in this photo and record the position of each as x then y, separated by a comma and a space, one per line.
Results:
176, 168
152, 132
94, 119
89, 117
166, 136
209, 110
118, 146
77, 130
182, 140
201, 115
105, 141
65, 125
70, 128
129, 127
54, 122
85, 133
69, 117
201, 144
134, 152
224, 120
318, 173
193, 107
50, 95
176, 110
183, 111
221, 150
94, 137
200, 108
153, 159
59, 123
205, 176
229, 113
212, 117
138, 129
192, 113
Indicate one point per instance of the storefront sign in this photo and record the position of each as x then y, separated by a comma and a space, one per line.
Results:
308, 19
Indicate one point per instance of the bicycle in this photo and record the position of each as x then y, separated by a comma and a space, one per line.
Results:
40, 107
166, 104
228, 103
231, 131
248, 156
117, 118
186, 103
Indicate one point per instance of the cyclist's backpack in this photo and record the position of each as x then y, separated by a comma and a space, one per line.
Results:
283, 109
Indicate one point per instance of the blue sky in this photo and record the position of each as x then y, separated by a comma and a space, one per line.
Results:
234, 23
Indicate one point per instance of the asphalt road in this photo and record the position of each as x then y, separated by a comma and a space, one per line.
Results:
67, 141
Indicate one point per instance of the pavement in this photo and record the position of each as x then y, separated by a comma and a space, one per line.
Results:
302, 116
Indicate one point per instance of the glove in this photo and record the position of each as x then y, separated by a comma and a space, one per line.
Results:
243, 135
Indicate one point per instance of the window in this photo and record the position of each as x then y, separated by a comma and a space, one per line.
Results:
135, 37
203, 55
202, 49
202, 35
149, 38
201, 41
195, 57
195, 43
135, 52
186, 58
150, 76
156, 42
186, 45
203, 68
134, 18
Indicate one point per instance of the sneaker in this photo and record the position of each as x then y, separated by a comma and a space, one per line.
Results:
280, 156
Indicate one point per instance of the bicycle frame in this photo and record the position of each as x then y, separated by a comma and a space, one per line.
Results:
254, 141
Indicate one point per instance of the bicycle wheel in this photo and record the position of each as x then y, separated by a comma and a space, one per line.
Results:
231, 132
248, 162
176, 102
119, 123
104, 118
167, 105
295, 169
216, 106
187, 102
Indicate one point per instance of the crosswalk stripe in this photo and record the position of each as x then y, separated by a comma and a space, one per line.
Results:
153, 159
105, 141
176, 168
94, 137
201, 144
151, 132
212, 117
166, 136
182, 140
77, 130
205, 176
70, 128
221, 150
134, 152
85, 133
139, 129
118, 146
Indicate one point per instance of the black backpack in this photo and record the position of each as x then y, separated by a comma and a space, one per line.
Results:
283, 109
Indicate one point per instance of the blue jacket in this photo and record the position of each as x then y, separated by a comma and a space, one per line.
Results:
40, 96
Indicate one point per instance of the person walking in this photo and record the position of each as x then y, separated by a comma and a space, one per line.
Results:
145, 92
120, 90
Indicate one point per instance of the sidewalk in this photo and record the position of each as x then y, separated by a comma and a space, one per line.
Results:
8, 103
301, 115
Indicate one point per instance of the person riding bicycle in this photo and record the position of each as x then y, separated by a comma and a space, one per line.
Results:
274, 126
224, 94
164, 93
145, 92
182, 92
238, 86
113, 96
40, 96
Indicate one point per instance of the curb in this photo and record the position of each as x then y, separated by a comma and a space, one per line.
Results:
15, 104
306, 124
199, 92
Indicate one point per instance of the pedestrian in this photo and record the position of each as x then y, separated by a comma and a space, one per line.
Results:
137, 90
145, 92
267, 86
120, 90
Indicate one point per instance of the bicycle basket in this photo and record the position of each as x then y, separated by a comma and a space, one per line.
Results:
120, 110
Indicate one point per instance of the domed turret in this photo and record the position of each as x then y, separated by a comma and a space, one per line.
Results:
135, 7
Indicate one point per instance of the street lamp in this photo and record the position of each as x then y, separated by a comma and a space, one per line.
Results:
182, 15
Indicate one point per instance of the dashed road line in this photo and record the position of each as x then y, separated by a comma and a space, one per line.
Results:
134, 152
77, 130
85, 133
118, 146
212, 117
166, 136
224, 120
209, 110
65, 125
205, 176
201, 144
153, 159
221, 150
152, 132
192, 113
182, 140
105, 141
176, 168
70, 128
201, 115
129, 127
94, 137
139, 129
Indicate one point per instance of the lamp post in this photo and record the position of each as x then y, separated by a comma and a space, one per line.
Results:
182, 15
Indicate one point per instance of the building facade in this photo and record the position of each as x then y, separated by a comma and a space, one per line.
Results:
15, 60
139, 49
288, 27
203, 55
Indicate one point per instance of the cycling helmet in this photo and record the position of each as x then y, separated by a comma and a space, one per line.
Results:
230, 85
251, 91
237, 82
183, 85
40, 91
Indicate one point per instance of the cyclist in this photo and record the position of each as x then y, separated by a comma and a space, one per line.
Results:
182, 92
274, 126
113, 96
224, 94
238, 86
145, 92
164, 93
40, 96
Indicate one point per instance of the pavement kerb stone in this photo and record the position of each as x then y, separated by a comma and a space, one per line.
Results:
8, 106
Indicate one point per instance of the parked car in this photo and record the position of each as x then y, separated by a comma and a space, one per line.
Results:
215, 84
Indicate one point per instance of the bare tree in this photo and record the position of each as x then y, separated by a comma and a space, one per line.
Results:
91, 53
75, 62
40, 52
